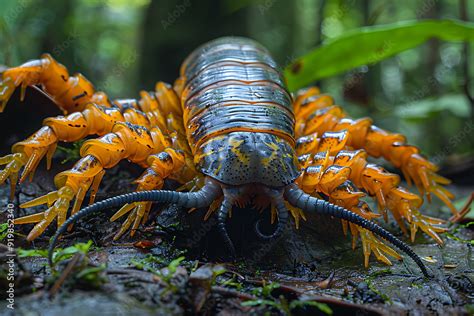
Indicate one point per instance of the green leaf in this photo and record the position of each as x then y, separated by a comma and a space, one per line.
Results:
266, 289
369, 45
59, 254
231, 283
63, 254
143, 265
216, 271
174, 264
3, 231
260, 302
73, 153
24, 253
452, 234
91, 272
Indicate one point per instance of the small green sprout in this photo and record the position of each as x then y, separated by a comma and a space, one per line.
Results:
59, 254
73, 153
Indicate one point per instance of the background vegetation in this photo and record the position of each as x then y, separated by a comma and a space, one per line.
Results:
123, 46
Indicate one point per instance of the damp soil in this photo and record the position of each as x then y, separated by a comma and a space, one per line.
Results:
147, 274
315, 262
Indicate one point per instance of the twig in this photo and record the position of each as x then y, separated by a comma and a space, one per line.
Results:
323, 299
463, 212
67, 271
240, 276
233, 293
324, 284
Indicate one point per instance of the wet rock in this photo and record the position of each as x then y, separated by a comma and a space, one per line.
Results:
200, 284
364, 294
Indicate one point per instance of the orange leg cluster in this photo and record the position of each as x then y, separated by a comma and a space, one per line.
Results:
325, 146
148, 131
71, 93
333, 181
384, 186
316, 113
374, 180
126, 141
93, 120
161, 166
321, 175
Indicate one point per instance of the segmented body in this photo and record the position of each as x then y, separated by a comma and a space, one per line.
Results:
237, 112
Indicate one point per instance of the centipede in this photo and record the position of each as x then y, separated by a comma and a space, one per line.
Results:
229, 131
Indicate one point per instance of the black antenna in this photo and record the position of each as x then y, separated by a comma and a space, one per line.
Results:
306, 202
201, 198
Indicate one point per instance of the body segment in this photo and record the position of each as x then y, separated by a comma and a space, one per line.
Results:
238, 114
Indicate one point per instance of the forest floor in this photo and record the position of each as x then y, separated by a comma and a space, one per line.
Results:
177, 264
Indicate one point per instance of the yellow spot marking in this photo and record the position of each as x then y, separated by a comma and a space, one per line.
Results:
198, 158
272, 146
218, 168
235, 149
266, 161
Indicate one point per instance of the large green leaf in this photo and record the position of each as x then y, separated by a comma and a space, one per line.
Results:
369, 45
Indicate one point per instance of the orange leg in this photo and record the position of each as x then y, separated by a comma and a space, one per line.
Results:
372, 179
164, 110
331, 165
91, 112
71, 93
384, 186
316, 113
161, 166
126, 141
168, 98
321, 176
93, 120
74, 94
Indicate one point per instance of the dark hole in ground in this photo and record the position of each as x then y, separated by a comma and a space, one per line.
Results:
203, 238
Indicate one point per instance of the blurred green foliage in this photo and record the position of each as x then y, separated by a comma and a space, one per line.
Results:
374, 43
124, 46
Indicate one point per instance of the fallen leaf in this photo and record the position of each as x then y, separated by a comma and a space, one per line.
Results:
145, 244
429, 259
450, 266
